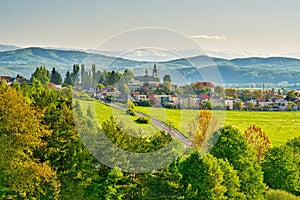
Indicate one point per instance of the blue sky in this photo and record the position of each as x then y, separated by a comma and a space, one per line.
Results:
261, 26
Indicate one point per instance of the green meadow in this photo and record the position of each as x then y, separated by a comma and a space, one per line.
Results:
104, 112
278, 126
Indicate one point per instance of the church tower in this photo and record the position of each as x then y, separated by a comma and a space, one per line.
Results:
154, 74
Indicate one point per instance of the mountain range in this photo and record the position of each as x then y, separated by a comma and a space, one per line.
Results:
23, 61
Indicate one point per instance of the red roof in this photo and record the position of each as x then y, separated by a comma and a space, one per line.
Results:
206, 84
203, 96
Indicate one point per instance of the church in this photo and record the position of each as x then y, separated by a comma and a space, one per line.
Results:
148, 80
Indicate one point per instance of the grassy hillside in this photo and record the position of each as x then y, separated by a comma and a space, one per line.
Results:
104, 112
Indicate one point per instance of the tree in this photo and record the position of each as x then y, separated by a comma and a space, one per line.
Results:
249, 105
231, 181
258, 140
167, 81
207, 105
247, 95
231, 93
41, 74
55, 77
203, 127
163, 184
291, 95
202, 178
281, 169
237, 105
219, 91
21, 132
232, 145
68, 79
259, 95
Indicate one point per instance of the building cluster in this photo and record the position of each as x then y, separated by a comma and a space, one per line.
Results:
145, 89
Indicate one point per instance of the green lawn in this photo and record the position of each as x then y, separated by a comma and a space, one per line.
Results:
279, 126
104, 112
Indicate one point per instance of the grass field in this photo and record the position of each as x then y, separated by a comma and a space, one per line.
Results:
104, 112
279, 126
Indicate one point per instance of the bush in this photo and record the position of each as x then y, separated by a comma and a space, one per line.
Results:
143, 120
143, 103
131, 112
280, 195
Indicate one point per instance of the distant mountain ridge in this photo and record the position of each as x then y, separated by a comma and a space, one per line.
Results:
4, 47
242, 70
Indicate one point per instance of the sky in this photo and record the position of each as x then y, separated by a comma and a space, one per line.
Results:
258, 26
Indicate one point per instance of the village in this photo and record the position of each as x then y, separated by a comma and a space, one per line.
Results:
147, 90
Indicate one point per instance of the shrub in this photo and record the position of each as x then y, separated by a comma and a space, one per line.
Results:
143, 120
143, 103
131, 112
279, 195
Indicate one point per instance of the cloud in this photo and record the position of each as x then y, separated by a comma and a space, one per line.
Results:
208, 37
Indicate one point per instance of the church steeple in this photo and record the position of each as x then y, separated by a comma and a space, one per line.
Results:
154, 73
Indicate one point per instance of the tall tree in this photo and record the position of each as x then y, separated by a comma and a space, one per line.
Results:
258, 140
55, 77
41, 74
68, 79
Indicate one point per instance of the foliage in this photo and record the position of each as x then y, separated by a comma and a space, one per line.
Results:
207, 105
258, 140
237, 105
231, 93
219, 91
280, 195
281, 169
55, 77
143, 120
131, 112
202, 128
143, 103
232, 145
202, 178
41, 74
249, 105
21, 134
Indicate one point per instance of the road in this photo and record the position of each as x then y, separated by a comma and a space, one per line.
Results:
160, 125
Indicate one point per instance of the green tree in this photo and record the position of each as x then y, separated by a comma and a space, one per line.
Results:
219, 91
232, 145
291, 95
202, 178
231, 181
163, 184
68, 79
237, 105
41, 74
281, 169
249, 105
55, 77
